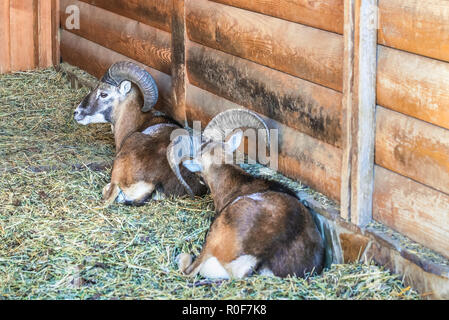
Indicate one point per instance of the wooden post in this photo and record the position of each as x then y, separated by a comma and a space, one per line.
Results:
359, 105
5, 47
178, 69
55, 21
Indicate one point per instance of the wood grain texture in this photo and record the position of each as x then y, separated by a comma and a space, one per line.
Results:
55, 22
413, 209
308, 53
301, 157
96, 60
322, 14
5, 48
309, 108
45, 34
417, 26
22, 35
413, 85
155, 13
413, 148
143, 43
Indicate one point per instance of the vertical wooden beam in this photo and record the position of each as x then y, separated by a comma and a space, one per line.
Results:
45, 34
55, 38
35, 31
5, 44
359, 103
178, 53
22, 35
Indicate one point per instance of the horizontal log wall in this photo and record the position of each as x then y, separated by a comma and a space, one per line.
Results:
412, 140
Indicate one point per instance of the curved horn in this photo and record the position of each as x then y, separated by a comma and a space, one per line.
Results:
126, 70
229, 120
175, 156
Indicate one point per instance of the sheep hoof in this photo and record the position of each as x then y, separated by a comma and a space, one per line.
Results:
184, 260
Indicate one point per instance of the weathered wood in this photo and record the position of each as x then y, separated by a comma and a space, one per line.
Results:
413, 148
418, 26
178, 58
96, 59
322, 14
146, 44
45, 34
301, 157
413, 85
347, 100
309, 108
155, 13
22, 35
5, 48
413, 209
308, 53
360, 105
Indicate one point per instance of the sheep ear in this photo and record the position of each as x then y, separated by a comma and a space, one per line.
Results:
192, 165
125, 87
234, 141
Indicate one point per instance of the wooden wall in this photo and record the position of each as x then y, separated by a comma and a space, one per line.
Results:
362, 114
28, 34
411, 191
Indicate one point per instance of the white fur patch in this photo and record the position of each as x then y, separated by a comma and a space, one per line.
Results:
96, 118
155, 128
213, 269
242, 266
266, 272
137, 191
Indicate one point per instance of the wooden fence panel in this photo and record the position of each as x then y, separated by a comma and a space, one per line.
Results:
308, 53
155, 13
146, 44
420, 212
321, 14
417, 26
5, 48
312, 109
413, 148
413, 85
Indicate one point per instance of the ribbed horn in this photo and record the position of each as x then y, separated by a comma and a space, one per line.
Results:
229, 120
176, 154
126, 70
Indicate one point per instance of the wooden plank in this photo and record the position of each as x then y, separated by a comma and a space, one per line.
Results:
178, 58
301, 157
5, 48
347, 100
22, 35
143, 43
359, 107
322, 14
155, 13
418, 26
45, 34
55, 24
413, 209
413, 148
96, 59
309, 108
308, 53
413, 85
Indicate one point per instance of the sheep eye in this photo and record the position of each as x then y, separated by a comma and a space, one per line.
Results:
103, 95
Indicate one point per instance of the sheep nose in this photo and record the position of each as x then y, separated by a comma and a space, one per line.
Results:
76, 113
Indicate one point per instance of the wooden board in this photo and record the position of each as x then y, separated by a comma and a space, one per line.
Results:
155, 13
5, 48
308, 53
413, 85
322, 14
413, 148
146, 44
309, 108
96, 59
23, 45
45, 34
419, 212
301, 157
55, 22
418, 26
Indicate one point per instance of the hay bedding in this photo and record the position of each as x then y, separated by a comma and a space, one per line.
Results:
58, 242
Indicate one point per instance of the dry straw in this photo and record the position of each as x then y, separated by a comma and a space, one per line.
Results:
58, 242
